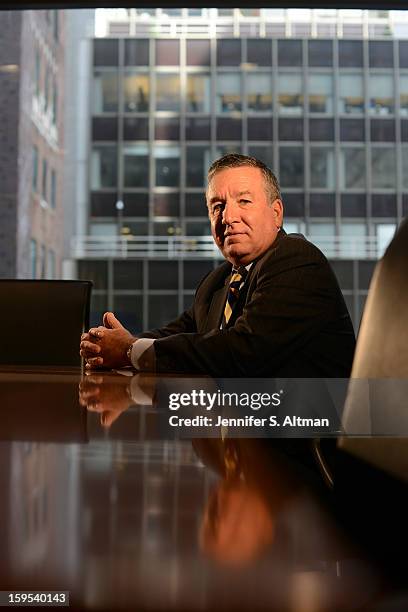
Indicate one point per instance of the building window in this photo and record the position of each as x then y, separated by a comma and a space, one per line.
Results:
135, 128
404, 157
383, 163
136, 92
51, 272
106, 52
167, 166
322, 168
320, 52
198, 93
54, 103
320, 93
351, 95
228, 92
167, 52
44, 184
35, 169
167, 128
291, 166
43, 262
46, 89
259, 88
103, 167
350, 53
136, 166
198, 164
264, 153
55, 25
290, 52
53, 198
198, 52
228, 52
137, 52
381, 94
167, 92
259, 52
105, 92
380, 54
166, 205
290, 93
352, 168
403, 86
33, 258
37, 72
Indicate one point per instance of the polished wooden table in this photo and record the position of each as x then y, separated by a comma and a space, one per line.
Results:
94, 501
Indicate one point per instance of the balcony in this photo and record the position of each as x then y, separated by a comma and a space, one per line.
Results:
203, 247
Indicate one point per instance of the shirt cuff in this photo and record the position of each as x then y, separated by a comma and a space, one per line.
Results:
143, 356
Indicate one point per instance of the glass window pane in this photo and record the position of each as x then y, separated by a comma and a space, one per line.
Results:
228, 92
352, 168
198, 164
290, 93
320, 93
403, 54
136, 128
320, 52
104, 128
129, 310
322, 205
350, 53
136, 92
106, 52
168, 92
105, 92
136, 205
353, 205
198, 228
194, 272
196, 205
198, 128
103, 167
290, 129
383, 205
166, 204
167, 128
383, 165
264, 153
228, 52
167, 52
289, 52
405, 167
163, 275
381, 94
198, 93
167, 166
162, 309
260, 128
259, 52
198, 52
382, 130
136, 166
380, 53
291, 166
403, 86
229, 129
128, 275
322, 168
259, 88
352, 130
137, 52
351, 94
321, 129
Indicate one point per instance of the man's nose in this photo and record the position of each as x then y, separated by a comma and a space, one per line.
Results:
230, 213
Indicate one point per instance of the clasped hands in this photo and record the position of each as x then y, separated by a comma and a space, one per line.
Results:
106, 346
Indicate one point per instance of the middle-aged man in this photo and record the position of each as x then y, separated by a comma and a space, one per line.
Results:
273, 308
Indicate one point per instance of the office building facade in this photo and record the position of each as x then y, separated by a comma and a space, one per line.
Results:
320, 96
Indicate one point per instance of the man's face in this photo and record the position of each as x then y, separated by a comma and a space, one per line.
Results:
244, 223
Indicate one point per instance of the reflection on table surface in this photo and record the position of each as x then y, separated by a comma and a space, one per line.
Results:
94, 501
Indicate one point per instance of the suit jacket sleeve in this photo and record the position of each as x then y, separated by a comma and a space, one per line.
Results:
292, 295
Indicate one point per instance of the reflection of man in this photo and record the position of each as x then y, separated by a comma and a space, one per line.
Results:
273, 308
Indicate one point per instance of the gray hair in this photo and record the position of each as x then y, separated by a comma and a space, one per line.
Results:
235, 160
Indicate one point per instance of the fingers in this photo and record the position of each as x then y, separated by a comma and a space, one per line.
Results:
89, 349
110, 321
97, 332
94, 362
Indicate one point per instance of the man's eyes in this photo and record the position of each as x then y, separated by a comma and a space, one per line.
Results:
242, 201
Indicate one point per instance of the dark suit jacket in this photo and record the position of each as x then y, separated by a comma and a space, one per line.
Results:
290, 321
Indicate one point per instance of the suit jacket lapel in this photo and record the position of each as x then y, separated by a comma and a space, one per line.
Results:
216, 309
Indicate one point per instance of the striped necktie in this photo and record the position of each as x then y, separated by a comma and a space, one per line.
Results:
237, 278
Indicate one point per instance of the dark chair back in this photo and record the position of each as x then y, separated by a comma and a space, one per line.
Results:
42, 321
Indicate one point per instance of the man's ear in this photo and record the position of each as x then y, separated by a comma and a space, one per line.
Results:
277, 206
